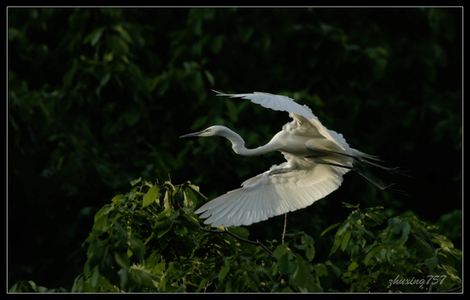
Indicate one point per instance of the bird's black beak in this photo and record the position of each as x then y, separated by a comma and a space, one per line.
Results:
194, 134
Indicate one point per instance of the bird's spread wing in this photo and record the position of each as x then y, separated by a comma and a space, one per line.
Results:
272, 193
275, 102
297, 111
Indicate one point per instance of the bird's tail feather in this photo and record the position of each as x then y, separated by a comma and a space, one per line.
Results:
357, 153
361, 169
361, 164
372, 160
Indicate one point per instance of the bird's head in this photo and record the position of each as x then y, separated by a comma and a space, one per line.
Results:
210, 131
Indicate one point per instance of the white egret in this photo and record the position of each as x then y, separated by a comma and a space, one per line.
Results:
316, 160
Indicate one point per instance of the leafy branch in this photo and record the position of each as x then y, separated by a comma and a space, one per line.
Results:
256, 243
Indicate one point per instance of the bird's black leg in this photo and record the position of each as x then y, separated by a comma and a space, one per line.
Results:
363, 159
324, 162
314, 153
359, 171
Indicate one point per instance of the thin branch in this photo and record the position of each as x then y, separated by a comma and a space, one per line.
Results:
284, 229
256, 243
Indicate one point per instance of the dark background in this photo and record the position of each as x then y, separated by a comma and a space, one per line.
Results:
98, 97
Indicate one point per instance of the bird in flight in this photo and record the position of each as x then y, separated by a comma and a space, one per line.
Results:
316, 160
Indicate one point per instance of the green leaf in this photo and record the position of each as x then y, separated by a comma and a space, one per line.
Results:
137, 247
246, 34
189, 198
337, 271
217, 43
166, 200
118, 45
284, 258
94, 36
141, 277
224, 271
280, 251
199, 122
164, 222
431, 262
116, 199
309, 246
442, 241
451, 272
70, 74
329, 228
405, 231
169, 185
103, 83
320, 270
372, 253
240, 231
349, 205
303, 278
122, 260
377, 217
232, 111
95, 276
31, 286
108, 57
342, 229
202, 284
194, 187
345, 240
353, 266
209, 77
151, 195
181, 231
123, 278
336, 244
101, 218
123, 33
135, 181
191, 219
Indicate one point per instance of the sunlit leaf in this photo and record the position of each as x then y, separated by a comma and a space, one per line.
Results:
135, 181
151, 196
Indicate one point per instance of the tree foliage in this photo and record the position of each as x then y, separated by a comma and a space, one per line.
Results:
149, 240
99, 96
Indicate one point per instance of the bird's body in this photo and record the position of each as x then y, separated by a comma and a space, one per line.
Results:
316, 160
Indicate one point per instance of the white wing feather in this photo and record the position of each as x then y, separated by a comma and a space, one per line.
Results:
267, 195
275, 102
284, 103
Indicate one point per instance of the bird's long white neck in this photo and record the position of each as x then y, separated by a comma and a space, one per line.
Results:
238, 144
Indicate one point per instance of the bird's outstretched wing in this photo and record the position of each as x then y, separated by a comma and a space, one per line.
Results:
272, 193
297, 111
275, 102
